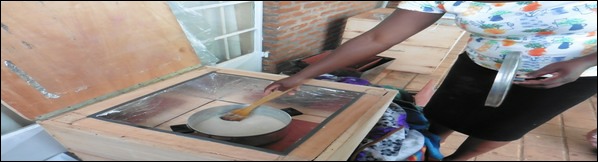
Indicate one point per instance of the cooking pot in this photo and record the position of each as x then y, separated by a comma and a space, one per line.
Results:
504, 79
264, 125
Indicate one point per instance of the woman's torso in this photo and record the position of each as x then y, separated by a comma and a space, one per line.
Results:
544, 31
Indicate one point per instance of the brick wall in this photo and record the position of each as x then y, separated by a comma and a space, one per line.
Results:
297, 29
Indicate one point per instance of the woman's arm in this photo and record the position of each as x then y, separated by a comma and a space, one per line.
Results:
562, 72
397, 27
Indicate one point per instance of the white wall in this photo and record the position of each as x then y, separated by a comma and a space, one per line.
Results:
11, 121
23, 140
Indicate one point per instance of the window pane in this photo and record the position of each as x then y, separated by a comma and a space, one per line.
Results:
238, 45
217, 48
246, 40
206, 28
236, 18
239, 17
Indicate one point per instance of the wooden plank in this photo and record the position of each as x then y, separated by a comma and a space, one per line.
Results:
418, 83
414, 82
380, 76
88, 157
58, 54
397, 79
126, 143
418, 53
416, 59
69, 118
310, 118
441, 71
344, 146
321, 140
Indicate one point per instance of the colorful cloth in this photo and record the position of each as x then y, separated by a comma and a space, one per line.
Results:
391, 139
545, 31
344, 79
417, 121
400, 134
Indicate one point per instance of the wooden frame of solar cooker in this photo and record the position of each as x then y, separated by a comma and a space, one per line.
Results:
86, 72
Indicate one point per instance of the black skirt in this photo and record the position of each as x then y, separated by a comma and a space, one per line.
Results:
459, 103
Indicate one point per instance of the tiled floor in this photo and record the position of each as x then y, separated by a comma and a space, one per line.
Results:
561, 139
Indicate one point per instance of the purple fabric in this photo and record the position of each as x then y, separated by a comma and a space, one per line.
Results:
354, 80
402, 121
349, 80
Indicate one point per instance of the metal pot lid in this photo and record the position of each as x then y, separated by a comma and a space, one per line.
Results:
504, 79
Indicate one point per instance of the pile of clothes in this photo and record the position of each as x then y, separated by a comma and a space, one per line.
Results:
400, 134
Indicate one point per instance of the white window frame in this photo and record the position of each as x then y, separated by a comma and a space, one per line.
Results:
247, 61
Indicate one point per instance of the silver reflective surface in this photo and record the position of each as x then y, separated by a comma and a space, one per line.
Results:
504, 79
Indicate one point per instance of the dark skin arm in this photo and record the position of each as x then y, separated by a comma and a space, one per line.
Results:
396, 28
562, 72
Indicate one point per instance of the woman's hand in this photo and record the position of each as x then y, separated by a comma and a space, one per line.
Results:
562, 72
284, 84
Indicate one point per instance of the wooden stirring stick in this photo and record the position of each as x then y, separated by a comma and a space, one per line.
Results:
242, 113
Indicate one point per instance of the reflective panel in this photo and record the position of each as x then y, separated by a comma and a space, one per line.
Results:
173, 105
